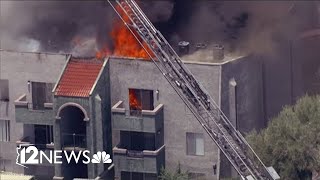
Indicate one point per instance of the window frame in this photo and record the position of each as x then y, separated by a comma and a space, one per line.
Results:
139, 93
192, 136
4, 90
48, 129
5, 135
47, 93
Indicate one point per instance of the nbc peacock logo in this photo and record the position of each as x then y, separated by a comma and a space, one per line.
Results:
101, 157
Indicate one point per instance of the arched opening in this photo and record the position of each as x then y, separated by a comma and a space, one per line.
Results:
73, 138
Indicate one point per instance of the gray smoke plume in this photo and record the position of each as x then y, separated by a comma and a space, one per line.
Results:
84, 26
251, 26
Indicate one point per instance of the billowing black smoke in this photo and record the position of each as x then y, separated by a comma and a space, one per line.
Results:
84, 26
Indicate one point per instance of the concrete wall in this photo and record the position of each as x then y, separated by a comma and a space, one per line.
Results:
19, 68
242, 98
247, 74
101, 113
178, 120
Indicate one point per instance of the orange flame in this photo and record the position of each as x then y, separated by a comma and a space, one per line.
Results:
133, 101
103, 53
125, 44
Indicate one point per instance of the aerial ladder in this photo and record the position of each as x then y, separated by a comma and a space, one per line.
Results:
228, 139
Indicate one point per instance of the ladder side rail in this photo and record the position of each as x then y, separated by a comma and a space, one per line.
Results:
137, 7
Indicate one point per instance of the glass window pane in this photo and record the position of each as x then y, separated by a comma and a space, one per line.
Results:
4, 90
4, 130
195, 144
1, 130
199, 144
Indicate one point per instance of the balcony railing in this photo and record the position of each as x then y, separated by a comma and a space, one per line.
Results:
25, 113
145, 161
22, 102
25, 141
135, 120
135, 154
74, 141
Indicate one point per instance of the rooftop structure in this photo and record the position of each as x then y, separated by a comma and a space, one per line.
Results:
78, 77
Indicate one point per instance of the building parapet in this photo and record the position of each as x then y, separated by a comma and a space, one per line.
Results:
140, 121
145, 161
118, 150
25, 113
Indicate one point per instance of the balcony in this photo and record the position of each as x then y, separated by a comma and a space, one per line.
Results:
140, 121
25, 113
139, 161
25, 141
74, 142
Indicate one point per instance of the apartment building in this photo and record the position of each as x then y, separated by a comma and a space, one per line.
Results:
153, 128
125, 107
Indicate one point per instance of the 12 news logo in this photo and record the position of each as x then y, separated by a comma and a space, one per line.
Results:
31, 155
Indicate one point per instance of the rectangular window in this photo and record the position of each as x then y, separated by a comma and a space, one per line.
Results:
4, 130
4, 90
140, 99
195, 144
41, 93
43, 135
137, 141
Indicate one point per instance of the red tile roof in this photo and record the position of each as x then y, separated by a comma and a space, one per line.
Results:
78, 77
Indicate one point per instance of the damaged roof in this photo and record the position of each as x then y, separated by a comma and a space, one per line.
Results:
79, 77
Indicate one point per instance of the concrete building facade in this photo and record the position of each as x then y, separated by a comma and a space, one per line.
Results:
234, 84
19, 70
159, 132
163, 134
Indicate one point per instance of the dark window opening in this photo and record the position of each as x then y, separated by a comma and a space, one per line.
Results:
43, 135
140, 100
41, 93
5, 130
74, 170
4, 90
137, 141
73, 127
195, 144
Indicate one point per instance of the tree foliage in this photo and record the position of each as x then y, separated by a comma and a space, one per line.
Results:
291, 142
175, 175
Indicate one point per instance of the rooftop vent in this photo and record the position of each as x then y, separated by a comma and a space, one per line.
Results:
200, 46
184, 47
218, 52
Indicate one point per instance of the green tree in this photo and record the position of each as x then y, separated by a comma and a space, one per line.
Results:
176, 175
291, 142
